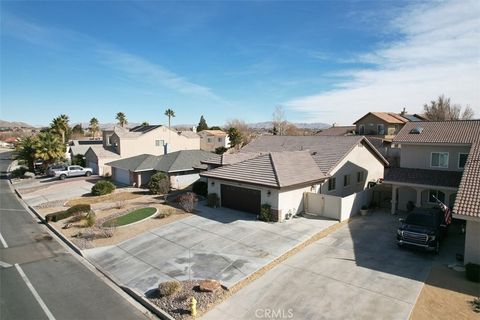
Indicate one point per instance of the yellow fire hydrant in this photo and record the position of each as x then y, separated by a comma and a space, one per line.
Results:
193, 307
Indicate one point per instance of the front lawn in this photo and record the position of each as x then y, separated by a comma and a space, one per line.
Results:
131, 217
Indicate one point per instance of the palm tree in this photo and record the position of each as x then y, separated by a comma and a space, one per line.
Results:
49, 148
170, 114
122, 119
25, 150
94, 126
60, 126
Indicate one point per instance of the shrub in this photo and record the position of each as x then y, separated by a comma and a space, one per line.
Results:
200, 188
107, 232
57, 216
165, 213
169, 288
102, 187
18, 173
159, 183
79, 208
265, 214
213, 200
120, 204
79, 160
91, 218
220, 150
476, 304
410, 206
472, 271
187, 201
76, 217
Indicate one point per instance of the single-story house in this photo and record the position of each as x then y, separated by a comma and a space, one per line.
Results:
80, 147
278, 170
182, 167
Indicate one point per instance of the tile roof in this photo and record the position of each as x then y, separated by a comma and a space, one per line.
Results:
230, 158
337, 131
389, 117
176, 161
425, 177
327, 151
275, 169
104, 152
218, 133
467, 202
455, 132
189, 134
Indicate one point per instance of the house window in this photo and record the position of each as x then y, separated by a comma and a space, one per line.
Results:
462, 159
346, 180
439, 160
436, 194
159, 143
209, 139
361, 129
380, 129
331, 184
360, 176
219, 139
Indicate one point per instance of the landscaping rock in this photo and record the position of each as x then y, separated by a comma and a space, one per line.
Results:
208, 286
29, 175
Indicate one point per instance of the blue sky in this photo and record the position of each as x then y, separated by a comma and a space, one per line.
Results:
325, 61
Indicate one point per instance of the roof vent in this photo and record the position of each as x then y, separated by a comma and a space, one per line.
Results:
416, 130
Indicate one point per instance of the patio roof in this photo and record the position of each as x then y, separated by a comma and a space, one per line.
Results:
427, 178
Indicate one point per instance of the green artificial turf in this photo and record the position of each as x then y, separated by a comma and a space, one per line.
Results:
131, 217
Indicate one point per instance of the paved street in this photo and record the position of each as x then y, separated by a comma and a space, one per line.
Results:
41, 279
357, 272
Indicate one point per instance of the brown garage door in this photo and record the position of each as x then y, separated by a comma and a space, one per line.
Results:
242, 199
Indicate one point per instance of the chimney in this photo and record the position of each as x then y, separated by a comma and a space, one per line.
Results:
334, 125
403, 112
194, 129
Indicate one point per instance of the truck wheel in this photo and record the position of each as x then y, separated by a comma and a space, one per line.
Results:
88, 173
62, 177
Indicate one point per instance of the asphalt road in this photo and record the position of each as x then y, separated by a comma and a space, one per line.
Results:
41, 279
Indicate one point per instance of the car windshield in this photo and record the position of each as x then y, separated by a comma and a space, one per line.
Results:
424, 220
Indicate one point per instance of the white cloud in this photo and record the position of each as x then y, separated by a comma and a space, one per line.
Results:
438, 53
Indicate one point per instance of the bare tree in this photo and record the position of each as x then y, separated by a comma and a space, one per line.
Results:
242, 128
442, 110
278, 120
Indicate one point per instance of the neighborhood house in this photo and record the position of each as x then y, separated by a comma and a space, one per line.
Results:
213, 139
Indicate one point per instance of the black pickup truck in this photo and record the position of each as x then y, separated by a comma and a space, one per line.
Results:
423, 228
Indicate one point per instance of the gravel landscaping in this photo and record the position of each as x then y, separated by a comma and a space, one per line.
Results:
178, 305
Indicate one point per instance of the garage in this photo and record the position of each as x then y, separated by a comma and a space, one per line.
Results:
122, 176
241, 199
94, 166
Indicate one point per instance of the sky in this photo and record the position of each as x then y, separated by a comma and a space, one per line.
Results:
322, 61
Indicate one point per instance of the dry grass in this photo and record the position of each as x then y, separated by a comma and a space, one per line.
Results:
447, 294
118, 197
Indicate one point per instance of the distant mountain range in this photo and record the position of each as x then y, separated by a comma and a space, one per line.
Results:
300, 125
14, 124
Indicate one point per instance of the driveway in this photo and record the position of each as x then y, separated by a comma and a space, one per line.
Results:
41, 190
220, 244
357, 272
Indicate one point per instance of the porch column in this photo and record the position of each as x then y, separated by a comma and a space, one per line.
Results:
418, 203
394, 199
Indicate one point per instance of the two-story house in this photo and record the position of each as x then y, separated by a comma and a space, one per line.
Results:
384, 124
213, 139
120, 143
433, 162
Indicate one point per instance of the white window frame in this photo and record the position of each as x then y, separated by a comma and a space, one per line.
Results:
458, 163
383, 129
159, 143
361, 127
334, 184
347, 181
439, 166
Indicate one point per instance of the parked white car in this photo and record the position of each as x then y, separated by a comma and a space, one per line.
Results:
73, 171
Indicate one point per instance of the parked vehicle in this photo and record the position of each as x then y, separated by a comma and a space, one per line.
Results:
73, 171
54, 168
423, 228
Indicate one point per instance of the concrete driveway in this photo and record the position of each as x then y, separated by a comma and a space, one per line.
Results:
220, 244
41, 190
357, 272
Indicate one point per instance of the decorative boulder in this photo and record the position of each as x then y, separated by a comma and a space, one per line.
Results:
209, 285
29, 175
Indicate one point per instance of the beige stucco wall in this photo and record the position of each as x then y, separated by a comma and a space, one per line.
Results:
146, 143
359, 159
215, 141
419, 156
370, 122
291, 202
472, 242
